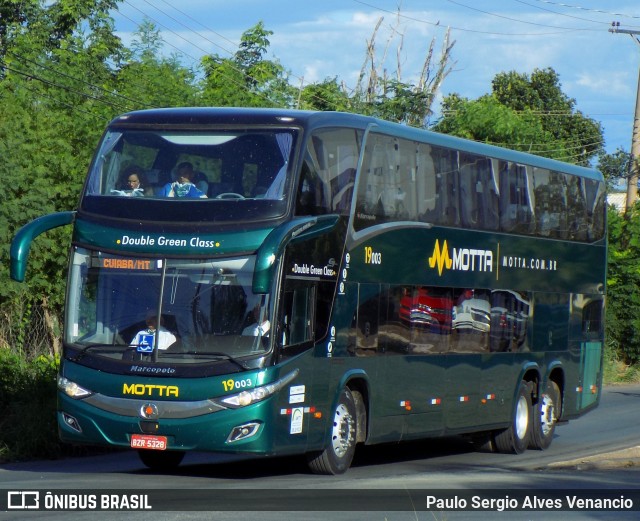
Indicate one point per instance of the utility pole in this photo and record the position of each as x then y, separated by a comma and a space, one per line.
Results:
632, 182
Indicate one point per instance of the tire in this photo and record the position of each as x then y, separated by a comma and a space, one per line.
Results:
545, 417
337, 456
515, 439
161, 460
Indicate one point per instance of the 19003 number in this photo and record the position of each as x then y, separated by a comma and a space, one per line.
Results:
231, 384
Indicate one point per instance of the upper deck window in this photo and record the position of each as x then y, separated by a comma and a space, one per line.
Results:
328, 172
403, 180
188, 165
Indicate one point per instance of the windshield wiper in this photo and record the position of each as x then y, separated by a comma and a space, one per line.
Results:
83, 351
120, 347
216, 354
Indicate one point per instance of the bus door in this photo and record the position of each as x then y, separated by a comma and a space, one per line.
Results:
304, 309
590, 363
590, 350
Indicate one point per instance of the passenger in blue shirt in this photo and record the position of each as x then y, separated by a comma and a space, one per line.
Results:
183, 186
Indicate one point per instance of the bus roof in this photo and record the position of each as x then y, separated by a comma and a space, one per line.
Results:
198, 117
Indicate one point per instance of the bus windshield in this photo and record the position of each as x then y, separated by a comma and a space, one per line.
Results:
207, 309
193, 164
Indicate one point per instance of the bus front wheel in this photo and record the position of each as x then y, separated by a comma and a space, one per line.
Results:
515, 439
337, 456
160, 459
545, 417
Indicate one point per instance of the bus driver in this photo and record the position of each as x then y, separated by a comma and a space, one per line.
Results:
183, 187
144, 339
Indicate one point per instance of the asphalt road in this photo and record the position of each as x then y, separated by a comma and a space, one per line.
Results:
596, 454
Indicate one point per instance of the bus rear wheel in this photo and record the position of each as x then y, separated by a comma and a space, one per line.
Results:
337, 456
545, 417
515, 439
161, 460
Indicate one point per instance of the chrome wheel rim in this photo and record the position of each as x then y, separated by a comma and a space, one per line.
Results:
522, 418
547, 414
343, 431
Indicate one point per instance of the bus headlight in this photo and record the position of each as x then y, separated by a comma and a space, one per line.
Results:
244, 398
72, 389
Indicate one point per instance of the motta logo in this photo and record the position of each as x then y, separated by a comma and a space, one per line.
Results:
150, 390
440, 257
463, 259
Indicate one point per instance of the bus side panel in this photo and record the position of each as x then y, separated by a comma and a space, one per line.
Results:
464, 388
411, 401
499, 381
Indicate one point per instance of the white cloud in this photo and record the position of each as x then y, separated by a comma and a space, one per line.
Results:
612, 84
317, 40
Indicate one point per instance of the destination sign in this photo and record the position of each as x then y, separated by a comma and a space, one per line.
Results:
120, 263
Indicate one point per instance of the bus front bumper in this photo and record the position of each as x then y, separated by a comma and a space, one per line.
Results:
227, 430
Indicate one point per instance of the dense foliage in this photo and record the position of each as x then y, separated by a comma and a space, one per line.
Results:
526, 113
27, 403
64, 74
623, 284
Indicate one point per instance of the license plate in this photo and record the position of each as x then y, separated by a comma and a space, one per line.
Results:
147, 441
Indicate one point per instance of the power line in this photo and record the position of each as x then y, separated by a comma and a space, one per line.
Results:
561, 14
63, 87
463, 29
512, 19
231, 80
229, 52
549, 113
91, 85
128, 99
601, 11
39, 94
235, 44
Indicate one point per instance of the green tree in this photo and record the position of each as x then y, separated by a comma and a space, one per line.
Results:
542, 94
615, 166
247, 79
326, 95
528, 113
623, 283
51, 116
488, 120
147, 42
147, 79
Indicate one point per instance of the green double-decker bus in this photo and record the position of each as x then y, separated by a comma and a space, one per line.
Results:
275, 282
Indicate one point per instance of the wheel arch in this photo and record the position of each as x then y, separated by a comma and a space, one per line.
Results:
357, 381
530, 374
557, 375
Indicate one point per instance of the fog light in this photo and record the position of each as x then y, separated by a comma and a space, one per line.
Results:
70, 421
242, 432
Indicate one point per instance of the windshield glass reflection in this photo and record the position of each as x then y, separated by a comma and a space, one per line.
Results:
192, 165
153, 310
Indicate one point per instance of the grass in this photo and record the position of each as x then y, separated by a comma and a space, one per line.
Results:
27, 408
616, 372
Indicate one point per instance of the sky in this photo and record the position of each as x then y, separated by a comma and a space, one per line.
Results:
315, 40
